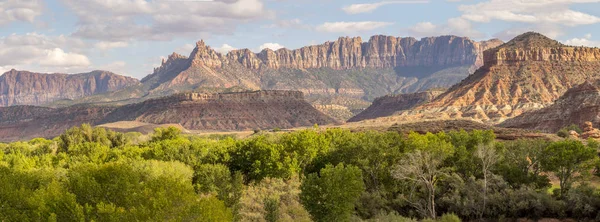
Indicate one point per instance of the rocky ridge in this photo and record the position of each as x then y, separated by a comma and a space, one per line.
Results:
525, 74
28, 88
388, 105
194, 111
347, 67
577, 106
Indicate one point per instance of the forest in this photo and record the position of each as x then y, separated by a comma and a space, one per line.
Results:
94, 174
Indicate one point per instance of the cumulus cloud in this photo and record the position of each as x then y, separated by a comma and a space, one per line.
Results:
20, 10
115, 20
370, 7
36, 50
454, 26
59, 58
225, 48
270, 45
584, 41
351, 27
553, 12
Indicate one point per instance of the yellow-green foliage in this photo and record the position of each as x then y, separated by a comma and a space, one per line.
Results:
94, 174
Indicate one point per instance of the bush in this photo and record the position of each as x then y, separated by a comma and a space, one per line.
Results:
564, 132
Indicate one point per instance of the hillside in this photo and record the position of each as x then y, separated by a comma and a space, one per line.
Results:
28, 88
194, 111
388, 105
525, 74
578, 105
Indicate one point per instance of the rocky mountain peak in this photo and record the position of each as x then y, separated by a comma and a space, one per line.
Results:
204, 55
532, 40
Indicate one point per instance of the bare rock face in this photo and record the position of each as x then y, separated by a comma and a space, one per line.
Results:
388, 105
347, 67
528, 73
27, 88
578, 105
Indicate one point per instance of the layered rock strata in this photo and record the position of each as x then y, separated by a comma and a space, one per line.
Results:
577, 106
28, 88
528, 73
194, 111
388, 105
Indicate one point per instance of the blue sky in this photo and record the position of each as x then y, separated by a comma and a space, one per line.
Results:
131, 37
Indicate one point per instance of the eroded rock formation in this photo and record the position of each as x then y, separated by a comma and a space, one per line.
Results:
577, 106
525, 74
388, 105
28, 88
347, 67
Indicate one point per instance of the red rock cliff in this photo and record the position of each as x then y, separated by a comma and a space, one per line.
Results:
28, 88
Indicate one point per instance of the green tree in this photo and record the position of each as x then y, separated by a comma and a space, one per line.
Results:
331, 195
567, 159
424, 166
169, 133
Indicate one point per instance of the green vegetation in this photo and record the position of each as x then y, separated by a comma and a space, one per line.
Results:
565, 131
92, 174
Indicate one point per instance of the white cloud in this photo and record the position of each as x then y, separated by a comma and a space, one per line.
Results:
110, 45
370, 7
35, 51
535, 11
225, 48
114, 20
585, 41
59, 58
20, 10
351, 27
272, 46
454, 26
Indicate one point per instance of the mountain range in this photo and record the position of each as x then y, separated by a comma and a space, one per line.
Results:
28, 88
353, 71
521, 83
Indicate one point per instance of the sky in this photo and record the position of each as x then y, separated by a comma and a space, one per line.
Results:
131, 37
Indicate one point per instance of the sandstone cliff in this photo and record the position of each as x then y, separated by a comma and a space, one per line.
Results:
347, 67
27, 88
578, 105
388, 105
527, 73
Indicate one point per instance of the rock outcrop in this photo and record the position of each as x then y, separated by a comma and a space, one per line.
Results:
577, 106
388, 105
27, 88
525, 74
194, 111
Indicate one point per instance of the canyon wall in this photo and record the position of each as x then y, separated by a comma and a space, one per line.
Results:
28, 88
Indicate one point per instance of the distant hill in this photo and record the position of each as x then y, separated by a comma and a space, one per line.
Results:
193, 111
29, 88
